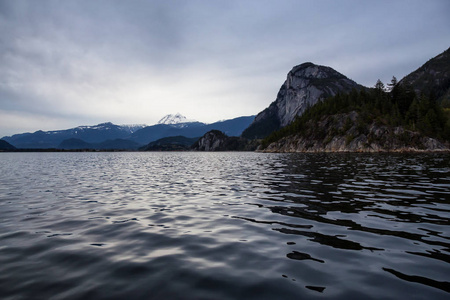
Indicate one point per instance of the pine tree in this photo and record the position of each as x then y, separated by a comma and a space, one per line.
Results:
393, 83
379, 85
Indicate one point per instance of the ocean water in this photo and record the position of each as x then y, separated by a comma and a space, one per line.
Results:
224, 226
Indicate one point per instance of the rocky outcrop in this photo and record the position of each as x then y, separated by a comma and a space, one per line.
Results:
216, 140
305, 85
344, 133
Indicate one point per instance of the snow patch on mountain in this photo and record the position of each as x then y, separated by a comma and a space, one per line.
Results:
175, 119
133, 127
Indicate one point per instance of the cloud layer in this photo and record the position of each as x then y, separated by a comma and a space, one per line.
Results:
69, 63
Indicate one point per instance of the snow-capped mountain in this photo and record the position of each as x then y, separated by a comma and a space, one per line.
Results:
175, 119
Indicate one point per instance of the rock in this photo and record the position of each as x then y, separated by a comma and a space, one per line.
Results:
305, 85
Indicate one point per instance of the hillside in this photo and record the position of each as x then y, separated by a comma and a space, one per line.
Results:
366, 121
432, 79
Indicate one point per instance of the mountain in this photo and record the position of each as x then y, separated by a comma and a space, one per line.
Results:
233, 127
5, 146
433, 78
173, 143
89, 134
305, 85
175, 119
373, 120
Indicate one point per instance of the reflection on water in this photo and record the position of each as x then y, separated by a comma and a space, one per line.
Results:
224, 226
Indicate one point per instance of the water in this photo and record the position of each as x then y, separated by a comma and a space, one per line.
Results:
224, 226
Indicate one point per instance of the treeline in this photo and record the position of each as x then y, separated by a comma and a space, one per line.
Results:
396, 105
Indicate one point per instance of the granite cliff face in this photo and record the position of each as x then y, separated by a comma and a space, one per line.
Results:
305, 85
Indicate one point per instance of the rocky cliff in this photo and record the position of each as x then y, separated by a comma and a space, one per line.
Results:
305, 85
344, 133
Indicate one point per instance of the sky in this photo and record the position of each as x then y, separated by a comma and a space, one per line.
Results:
70, 63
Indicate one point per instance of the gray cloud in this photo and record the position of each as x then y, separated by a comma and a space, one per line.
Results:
67, 63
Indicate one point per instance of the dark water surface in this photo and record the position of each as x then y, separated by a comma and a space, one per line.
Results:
224, 226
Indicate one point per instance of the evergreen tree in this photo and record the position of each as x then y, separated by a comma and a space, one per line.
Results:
393, 83
379, 85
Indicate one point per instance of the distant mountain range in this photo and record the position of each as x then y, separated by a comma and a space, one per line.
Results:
110, 136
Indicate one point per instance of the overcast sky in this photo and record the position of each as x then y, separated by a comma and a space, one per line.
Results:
70, 63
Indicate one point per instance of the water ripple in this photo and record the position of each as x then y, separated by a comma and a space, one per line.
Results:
224, 226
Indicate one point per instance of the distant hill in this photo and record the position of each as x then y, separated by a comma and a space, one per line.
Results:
173, 143
305, 85
216, 140
5, 146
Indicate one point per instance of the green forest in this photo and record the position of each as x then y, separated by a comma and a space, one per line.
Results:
394, 105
